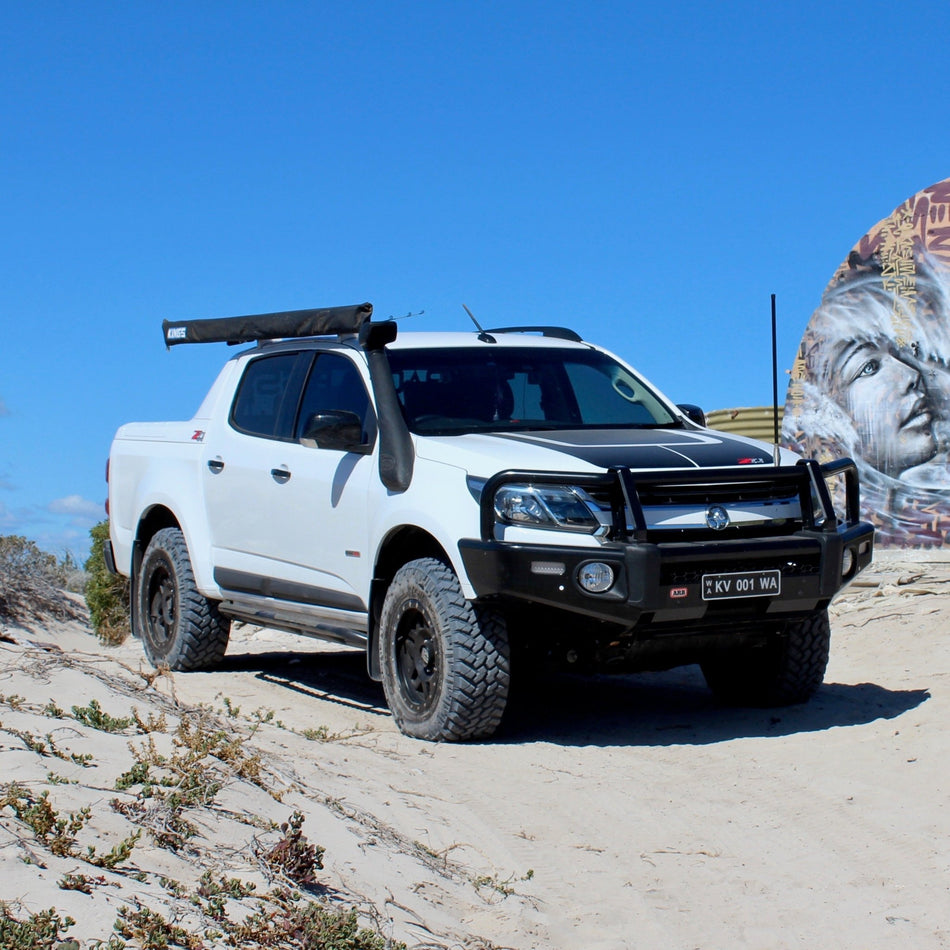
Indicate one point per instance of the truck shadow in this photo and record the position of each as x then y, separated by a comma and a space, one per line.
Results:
643, 709
334, 676
676, 708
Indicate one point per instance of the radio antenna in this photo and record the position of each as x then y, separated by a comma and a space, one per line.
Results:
775, 386
478, 326
482, 335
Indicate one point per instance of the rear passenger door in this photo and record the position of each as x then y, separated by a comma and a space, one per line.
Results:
239, 456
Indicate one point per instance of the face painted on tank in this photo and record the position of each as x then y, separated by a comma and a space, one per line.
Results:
882, 390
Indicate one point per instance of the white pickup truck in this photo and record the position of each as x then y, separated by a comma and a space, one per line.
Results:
456, 502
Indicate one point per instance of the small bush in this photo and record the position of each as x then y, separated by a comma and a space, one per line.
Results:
94, 716
40, 931
70, 574
294, 856
309, 926
31, 582
107, 595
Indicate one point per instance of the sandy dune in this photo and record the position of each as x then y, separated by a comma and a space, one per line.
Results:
624, 812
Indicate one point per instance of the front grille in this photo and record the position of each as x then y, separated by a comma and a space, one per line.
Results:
764, 529
676, 510
704, 494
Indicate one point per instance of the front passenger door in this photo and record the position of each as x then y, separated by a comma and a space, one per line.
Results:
319, 513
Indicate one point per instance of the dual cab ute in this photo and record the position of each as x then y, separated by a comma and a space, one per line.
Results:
461, 504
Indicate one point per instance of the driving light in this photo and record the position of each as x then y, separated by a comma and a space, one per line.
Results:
563, 507
549, 568
595, 577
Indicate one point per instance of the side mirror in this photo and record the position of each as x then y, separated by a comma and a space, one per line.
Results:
337, 429
693, 413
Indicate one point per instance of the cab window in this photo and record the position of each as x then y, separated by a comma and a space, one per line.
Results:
335, 383
261, 394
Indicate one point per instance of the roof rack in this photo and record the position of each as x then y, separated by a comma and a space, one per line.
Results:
559, 333
269, 326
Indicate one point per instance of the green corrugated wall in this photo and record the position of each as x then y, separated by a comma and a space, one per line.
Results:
755, 422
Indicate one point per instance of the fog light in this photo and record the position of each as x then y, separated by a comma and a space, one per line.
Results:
847, 562
595, 577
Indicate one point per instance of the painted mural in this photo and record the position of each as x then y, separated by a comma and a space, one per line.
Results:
872, 375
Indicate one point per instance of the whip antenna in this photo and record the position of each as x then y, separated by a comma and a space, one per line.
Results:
775, 385
478, 326
482, 335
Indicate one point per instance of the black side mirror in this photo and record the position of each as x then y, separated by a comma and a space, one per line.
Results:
335, 429
693, 413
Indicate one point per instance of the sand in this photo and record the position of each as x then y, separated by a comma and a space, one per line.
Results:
612, 812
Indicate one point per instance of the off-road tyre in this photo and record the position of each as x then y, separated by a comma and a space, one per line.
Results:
179, 628
445, 662
785, 670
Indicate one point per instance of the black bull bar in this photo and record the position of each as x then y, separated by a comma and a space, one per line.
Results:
827, 548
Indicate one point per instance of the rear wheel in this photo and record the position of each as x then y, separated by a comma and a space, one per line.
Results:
179, 628
786, 669
444, 661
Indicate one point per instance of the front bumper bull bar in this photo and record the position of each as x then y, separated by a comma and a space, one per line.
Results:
661, 581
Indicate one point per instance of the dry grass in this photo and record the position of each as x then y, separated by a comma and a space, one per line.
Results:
33, 583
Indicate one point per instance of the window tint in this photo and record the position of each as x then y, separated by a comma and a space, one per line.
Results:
334, 383
611, 396
257, 405
504, 389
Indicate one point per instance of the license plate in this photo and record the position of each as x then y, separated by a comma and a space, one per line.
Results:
742, 584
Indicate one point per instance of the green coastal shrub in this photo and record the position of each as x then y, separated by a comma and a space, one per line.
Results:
107, 595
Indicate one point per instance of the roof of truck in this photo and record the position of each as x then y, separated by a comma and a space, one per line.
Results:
486, 338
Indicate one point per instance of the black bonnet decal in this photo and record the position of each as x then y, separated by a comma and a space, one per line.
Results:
648, 448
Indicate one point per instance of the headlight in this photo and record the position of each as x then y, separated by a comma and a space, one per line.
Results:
562, 507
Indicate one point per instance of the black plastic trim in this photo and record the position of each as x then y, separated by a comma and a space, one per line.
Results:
246, 583
109, 557
396, 451
557, 333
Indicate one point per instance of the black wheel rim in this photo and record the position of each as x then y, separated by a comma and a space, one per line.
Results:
418, 658
161, 606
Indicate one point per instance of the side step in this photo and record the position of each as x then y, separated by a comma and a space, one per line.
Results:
350, 631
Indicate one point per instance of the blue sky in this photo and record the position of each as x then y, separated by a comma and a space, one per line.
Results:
647, 174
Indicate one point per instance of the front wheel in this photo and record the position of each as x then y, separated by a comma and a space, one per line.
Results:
786, 669
179, 627
444, 661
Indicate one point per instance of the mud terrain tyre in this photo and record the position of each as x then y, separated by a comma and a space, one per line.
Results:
445, 662
179, 628
785, 670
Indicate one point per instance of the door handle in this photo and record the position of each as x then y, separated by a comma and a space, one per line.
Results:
216, 465
281, 475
